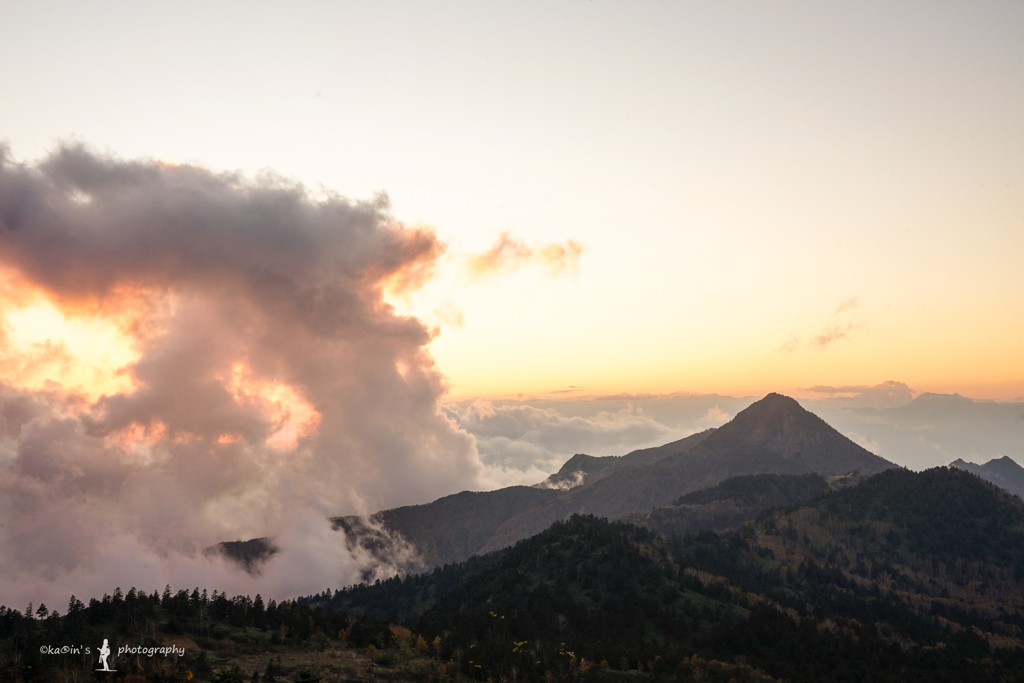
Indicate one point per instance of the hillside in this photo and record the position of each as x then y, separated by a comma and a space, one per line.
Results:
905, 577
728, 505
449, 529
1003, 472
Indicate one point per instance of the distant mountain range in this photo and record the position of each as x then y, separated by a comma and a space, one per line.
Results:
772, 436
1003, 472
934, 426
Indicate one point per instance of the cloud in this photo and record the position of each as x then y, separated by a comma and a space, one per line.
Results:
523, 443
510, 253
791, 345
715, 417
848, 305
449, 314
268, 381
558, 258
885, 395
831, 334
836, 331
507, 253
570, 482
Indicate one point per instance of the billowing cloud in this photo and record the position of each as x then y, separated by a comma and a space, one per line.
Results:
510, 253
262, 379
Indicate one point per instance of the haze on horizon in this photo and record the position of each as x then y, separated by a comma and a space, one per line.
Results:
584, 228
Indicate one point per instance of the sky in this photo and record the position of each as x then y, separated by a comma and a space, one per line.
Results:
263, 263
767, 196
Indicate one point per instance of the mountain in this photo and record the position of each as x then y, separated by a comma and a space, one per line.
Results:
456, 527
906, 576
1003, 472
935, 425
776, 435
772, 436
449, 529
249, 555
954, 410
585, 469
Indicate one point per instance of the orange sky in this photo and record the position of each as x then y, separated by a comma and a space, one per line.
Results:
672, 198
526, 330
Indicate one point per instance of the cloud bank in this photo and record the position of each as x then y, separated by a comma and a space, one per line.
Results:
888, 394
262, 379
522, 442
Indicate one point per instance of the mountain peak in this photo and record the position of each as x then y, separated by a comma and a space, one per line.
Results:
776, 434
773, 416
773, 402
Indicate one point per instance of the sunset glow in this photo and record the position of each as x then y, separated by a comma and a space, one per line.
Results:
88, 354
292, 417
137, 441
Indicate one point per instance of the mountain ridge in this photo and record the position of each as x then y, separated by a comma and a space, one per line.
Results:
1003, 472
772, 436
